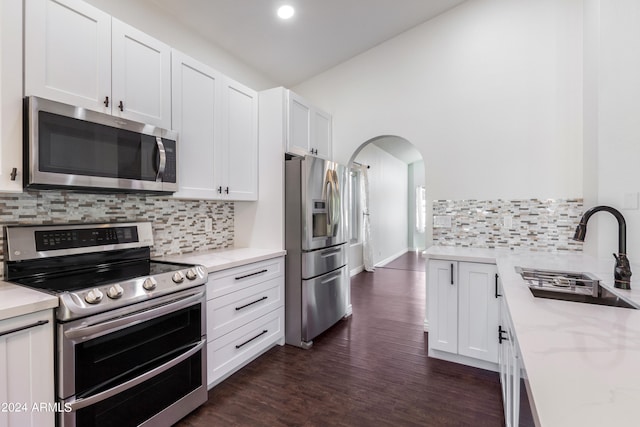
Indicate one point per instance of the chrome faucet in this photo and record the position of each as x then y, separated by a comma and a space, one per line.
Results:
622, 270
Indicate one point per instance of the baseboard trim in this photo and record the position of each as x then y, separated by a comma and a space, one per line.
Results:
356, 270
391, 258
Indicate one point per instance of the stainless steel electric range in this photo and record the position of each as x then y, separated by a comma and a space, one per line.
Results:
130, 331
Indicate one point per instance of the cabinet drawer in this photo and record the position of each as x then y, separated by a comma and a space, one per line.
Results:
226, 281
226, 313
234, 350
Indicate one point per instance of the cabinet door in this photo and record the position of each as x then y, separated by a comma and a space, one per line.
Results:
196, 117
299, 125
504, 362
321, 133
141, 67
68, 53
26, 369
239, 142
443, 305
479, 311
10, 95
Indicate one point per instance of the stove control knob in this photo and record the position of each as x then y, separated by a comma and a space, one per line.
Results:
149, 283
178, 277
191, 274
115, 292
94, 296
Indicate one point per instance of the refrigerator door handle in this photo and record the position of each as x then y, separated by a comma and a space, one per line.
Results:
333, 203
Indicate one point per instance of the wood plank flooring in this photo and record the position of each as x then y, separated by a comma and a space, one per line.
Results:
368, 370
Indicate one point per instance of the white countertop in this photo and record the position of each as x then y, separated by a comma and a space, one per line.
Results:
17, 300
582, 360
222, 259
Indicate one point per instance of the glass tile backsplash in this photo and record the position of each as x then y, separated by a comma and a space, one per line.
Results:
543, 225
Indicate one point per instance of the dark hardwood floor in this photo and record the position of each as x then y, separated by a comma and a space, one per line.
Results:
368, 370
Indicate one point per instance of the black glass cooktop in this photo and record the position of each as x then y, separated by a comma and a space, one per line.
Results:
56, 283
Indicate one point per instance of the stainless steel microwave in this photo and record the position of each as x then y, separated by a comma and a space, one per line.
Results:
75, 148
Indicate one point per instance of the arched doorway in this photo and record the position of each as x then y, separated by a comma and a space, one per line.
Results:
392, 219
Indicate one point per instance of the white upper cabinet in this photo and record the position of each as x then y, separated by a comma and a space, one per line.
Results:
68, 53
141, 75
217, 120
79, 55
321, 133
299, 137
10, 96
196, 92
238, 162
308, 128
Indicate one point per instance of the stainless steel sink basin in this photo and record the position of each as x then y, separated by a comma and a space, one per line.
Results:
570, 286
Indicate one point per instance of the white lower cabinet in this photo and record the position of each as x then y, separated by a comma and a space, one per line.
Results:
463, 307
26, 371
245, 315
509, 367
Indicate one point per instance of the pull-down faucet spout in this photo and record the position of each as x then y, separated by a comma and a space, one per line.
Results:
622, 270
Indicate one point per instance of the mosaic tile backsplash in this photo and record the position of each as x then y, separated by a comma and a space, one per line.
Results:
178, 225
542, 225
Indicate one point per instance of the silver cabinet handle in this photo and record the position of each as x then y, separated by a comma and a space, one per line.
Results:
163, 159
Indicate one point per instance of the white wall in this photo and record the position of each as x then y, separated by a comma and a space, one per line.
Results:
148, 17
387, 203
489, 92
612, 43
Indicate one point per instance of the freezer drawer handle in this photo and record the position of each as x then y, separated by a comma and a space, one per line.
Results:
331, 279
331, 252
22, 328
251, 274
251, 339
251, 303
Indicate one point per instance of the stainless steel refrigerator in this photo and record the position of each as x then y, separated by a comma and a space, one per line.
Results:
317, 275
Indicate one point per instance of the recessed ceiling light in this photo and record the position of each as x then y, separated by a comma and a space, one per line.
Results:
286, 11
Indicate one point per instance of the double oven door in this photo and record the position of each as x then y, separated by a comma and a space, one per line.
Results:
143, 364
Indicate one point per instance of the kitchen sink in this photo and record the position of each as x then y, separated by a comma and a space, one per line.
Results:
570, 286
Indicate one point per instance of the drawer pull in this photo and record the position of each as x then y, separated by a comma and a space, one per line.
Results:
500, 337
251, 303
251, 339
496, 293
251, 274
22, 328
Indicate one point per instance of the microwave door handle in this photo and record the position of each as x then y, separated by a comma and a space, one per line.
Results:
163, 159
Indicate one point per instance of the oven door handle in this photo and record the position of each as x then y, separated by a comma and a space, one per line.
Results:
87, 332
76, 404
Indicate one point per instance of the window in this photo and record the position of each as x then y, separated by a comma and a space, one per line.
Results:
354, 206
421, 208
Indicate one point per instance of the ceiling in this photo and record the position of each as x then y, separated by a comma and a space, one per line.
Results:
322, 33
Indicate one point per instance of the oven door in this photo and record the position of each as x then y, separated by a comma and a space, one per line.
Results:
143, 364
